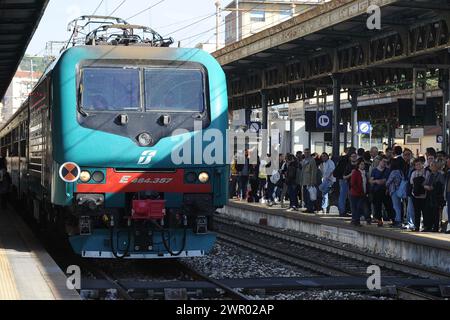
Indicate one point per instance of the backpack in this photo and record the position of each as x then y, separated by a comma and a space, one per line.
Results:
402, 191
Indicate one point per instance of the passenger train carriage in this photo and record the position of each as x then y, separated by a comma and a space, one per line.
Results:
104, 115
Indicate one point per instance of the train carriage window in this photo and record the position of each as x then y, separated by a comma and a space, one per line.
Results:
110, 89
174, 89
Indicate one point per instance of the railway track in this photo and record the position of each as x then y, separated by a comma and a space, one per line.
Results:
231, 292
321, 256
138, 290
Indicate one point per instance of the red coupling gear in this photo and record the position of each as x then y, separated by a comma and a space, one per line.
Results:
148, 209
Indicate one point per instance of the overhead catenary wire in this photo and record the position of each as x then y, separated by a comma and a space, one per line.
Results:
146, 9
191, 24
117, 8
223, 23
232, 21
98, 7
183, 21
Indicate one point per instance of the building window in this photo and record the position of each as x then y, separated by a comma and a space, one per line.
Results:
257, 16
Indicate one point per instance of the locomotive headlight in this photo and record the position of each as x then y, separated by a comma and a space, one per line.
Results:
203, 177
85, 176
98, 176
145, 139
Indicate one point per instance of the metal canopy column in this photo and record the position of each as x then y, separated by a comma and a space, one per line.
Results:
265, 125
265, 110
354, 117
337, 79
445, 86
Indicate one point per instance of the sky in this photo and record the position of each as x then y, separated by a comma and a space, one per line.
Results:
166, 18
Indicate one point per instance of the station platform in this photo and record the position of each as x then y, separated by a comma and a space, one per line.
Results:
27, 272
425, 249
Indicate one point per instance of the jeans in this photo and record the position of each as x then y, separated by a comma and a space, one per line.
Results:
270, 190
410, 213
357, 204
293, 200
343, 194
397, 203
261, 188
243, 182
325, 201
308, 203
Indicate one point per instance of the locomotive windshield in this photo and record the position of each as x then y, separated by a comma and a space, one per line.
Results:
168, 89
174, 89
110, 89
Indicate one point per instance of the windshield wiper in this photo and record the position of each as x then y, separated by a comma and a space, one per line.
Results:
83, 113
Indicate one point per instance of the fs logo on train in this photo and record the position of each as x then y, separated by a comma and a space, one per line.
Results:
147, 157
69, 172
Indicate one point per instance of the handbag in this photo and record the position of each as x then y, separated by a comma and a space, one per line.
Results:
276, 176
312, 193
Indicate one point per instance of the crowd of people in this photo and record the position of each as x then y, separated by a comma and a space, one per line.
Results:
373, 186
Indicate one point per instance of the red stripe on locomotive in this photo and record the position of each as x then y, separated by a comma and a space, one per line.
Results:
122, 182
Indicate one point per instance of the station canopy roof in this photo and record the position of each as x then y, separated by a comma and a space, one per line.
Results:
18, 22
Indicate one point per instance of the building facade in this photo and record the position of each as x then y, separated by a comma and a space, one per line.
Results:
247, 17
18, 91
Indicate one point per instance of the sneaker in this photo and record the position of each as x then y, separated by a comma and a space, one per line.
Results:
396, 225
356, 223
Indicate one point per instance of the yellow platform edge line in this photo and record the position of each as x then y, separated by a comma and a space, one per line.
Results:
8, 288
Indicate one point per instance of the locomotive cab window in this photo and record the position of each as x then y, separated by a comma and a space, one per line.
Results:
174, 90
110, 89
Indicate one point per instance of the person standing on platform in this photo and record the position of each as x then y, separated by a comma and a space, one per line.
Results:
270, 185
254, 181
5, 183
393, 184
243, 176
291, 181
358, 192
434, 186
408, 170
343, 183
447, 194
418, 192
233, 179
309, 179
262, 178
327, 168
378, 179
